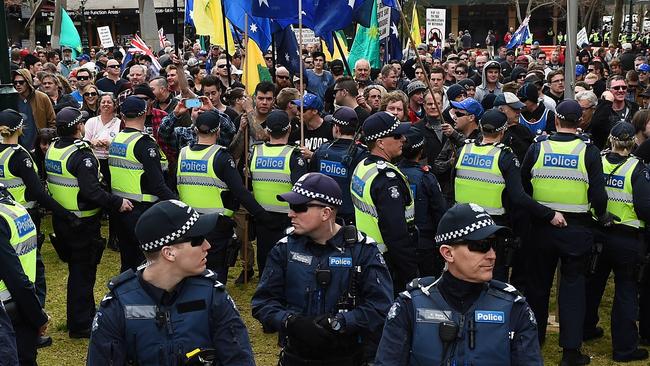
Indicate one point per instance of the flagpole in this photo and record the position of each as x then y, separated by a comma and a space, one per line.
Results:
273, 51
302, 87
250, 120
225, 40
345, 60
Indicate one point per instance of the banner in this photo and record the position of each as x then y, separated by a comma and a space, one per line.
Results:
383, 18
582, 37
308, 36
105, 37
435, 26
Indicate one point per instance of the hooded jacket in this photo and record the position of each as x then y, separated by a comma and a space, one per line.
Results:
482, 90
42, 109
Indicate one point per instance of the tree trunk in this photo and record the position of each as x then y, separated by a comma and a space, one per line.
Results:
616, 22
149, 25
641, 17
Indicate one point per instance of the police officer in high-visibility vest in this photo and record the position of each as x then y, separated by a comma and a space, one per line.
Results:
135, 163
207, 179
73, 181
173, 310
274, 166
464, 317
487, 173
19, 174
628, 197
17, 274
564, 172
7, 338
429, 204
338, 158
383, 205
595, 38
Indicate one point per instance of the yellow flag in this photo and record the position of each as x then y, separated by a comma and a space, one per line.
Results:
415, 26
254, 67
208, 21
336, 55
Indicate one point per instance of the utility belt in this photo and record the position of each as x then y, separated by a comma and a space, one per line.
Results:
12, 311
583, 218
627, 230
290, 358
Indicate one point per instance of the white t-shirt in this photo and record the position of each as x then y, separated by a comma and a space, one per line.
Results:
96, 130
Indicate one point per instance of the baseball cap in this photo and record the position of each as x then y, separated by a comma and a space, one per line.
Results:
522, 59
493, 120
12, 119
623, 131
422, 47
336, 66
528, 91
580, 70
83, 57
133, 106
314, 187
508, 99
382, 124
344, 116
627, 46
470, 105
171, 222
467, 83
467, 221
644, 67
415, 86
309, 101
510, 53
276, 121
454, 91
209, 121
70, 116
568, 110
144, 89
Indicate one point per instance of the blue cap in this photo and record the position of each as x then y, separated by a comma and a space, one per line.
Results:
382, 124
310, 101
470, 105
623, 131
314, 187
344, 116
202, 53
133, 107
644, 67
568, 110
580, 70
467, 221
83, 57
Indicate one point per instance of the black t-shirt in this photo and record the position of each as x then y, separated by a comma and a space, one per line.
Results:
313, 138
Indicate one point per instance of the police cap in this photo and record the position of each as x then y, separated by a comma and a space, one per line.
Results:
623, 131
493, 120
382, 124
344, 116
133, 107
70, 116
314, 186
209, 121
276, 121
12, 119
568, 110
467, 221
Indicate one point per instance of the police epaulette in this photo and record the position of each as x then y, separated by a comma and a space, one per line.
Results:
469, 141
584, 137
418, 283
82, 144
210, 275
540, 138
120, 279
506, 288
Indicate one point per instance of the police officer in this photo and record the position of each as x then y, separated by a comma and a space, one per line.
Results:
17, 274
134, 161
488, 174
339, 158
20, 177
628, 193
383, 206
7, 338
326, 287
275, 166
208, 181
564, 172
174, 307
430, 205
74, 182
465, 317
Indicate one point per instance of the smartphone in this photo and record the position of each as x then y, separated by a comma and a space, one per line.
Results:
193, 103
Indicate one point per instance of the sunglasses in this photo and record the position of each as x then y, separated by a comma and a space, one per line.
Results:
222, 66
268, 58
83, 78
19, 82
91, 94
113, 66
619, 87
460, 115
304, 207
522, 76
282, 77
481, 246
461, 72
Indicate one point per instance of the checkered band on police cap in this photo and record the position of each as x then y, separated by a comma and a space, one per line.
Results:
171, 237
462, 232
317, 196
385, 132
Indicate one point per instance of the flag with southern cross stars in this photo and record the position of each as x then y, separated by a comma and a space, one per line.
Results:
274, 9
333, 15
521, 34
393, 49
366, 43
259, 29
287, 50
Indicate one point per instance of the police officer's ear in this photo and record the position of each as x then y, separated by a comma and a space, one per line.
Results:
168, 253
447, 253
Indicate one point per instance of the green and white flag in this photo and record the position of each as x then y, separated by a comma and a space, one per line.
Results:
69, 35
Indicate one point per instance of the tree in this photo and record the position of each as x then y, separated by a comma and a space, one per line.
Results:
616, 22
537, 4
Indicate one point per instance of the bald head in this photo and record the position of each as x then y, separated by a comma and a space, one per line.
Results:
362, 69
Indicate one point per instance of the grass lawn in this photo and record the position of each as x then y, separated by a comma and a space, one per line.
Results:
66, 351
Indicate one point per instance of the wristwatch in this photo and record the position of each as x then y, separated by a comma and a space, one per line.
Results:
335, 323
285, 323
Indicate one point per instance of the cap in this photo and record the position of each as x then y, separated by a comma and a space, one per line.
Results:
100, 54
170, 222
70, 116
414, 139
12, 119
202, 53
510, 100
336, 65
470, 105
276, 121
627, 46
467, 83
415, 86
454, 91
488, 101
209, 121
453, 56
522, 59
528, 91
66, 48
644, 67
422, 47
133, 107
314, 187
569, 110
382, 124
510, 53
623, 131
467, 221
344, 116
310, 101
144, 89
646, 93
493, 120
536, 43
83, 57
580, 70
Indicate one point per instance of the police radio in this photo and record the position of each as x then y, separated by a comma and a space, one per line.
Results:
447, 331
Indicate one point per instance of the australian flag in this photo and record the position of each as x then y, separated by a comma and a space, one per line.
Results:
333, 15
287, 50
520, 36
275, 9
393, 47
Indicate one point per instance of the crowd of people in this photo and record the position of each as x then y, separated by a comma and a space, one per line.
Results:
391, 209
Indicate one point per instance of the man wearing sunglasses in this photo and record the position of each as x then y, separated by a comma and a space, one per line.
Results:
326, 288
34, 104
383, 205
84, 77
564, 172
73, 181
112, 82
611, 109
159, 314
465, 317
